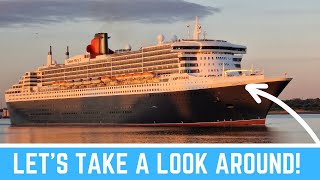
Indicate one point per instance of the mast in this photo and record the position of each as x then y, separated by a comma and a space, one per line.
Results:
197, 29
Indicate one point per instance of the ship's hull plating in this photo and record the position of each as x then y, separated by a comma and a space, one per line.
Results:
231, 105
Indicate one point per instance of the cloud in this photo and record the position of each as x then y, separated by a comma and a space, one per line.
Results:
34, 12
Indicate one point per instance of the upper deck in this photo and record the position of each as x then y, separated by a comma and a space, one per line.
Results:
196, 57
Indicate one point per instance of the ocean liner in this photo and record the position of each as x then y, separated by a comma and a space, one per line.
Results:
181, 82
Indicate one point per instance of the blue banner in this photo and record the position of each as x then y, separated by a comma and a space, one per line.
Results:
158, 162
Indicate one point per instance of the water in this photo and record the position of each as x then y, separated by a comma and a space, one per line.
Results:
278, 129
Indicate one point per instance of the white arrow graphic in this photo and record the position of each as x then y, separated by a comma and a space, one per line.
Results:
254, 90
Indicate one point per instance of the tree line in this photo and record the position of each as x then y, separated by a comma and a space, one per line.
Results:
301, 104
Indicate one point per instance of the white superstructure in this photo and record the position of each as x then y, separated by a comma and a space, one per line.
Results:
180, 64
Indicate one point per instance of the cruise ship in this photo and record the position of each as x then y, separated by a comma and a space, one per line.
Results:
180, 82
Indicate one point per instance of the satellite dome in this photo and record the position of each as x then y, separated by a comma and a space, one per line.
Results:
174, 38
127, 47
160, 38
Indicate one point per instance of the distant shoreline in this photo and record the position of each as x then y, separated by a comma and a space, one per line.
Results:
298, 111
301, 106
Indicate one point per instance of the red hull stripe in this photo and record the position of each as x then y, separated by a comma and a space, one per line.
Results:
198, 124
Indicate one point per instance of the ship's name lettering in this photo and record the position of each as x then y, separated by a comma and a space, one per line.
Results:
179, 78
74, 60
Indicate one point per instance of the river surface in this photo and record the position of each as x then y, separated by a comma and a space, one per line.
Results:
278, 129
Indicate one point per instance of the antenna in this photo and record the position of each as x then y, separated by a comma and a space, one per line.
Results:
204, 35
197, 30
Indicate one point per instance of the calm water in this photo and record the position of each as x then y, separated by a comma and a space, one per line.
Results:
278, 129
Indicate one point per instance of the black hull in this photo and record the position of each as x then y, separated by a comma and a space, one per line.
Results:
224, 106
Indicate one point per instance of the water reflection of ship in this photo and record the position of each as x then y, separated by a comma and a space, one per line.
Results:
236, 134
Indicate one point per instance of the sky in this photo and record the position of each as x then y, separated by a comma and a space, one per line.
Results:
282, 36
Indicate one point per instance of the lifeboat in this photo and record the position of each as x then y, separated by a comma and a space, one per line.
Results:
69, 83
135, 76
96, 80
59, 83
143, 75
123, 77
77, 82
105, 79
113, 78
147, 75
86, 81
100, 84
55, 84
